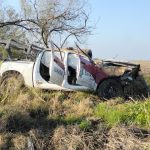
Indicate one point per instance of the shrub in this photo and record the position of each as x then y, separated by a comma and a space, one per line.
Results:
85, 124
133, 113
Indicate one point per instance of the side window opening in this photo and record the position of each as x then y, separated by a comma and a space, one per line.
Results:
73, 61
45, 65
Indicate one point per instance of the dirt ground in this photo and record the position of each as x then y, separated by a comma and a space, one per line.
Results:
145, 65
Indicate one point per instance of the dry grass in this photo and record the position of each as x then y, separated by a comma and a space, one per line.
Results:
1, 140
32, 117
19, 141
121, 138
73, 138
145, 66
54, 120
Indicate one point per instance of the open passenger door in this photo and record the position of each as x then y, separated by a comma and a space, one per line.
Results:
57, 68
86, 73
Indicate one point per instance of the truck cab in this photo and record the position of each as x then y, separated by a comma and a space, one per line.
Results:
67, 70
72, 69
57, 69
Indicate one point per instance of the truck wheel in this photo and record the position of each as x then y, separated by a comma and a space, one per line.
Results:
137, 89
12, 80
110, 88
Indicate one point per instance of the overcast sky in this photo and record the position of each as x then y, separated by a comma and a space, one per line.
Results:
123, 29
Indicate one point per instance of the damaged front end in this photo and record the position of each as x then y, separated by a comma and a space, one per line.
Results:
129, 75
126, 71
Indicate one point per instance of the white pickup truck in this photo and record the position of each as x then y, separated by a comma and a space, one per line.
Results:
70, 69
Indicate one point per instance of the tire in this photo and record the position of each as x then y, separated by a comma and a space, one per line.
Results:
110, 88
137, 88
11, 81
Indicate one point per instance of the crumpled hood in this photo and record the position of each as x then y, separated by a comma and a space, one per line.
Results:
115, 68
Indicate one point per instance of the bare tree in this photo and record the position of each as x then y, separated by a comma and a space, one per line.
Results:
10, 31
48, 20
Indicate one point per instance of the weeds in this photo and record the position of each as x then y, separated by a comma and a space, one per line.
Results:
133, 113
64, 120
85, 124
121, 138
111, 114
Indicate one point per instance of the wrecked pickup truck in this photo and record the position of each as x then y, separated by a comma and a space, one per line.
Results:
72, 69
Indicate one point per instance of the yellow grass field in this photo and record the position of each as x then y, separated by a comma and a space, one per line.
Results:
145, 66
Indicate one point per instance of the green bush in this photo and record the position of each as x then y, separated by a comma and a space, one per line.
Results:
139, 114
133, 113
111, 114
72, 119
85, 124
